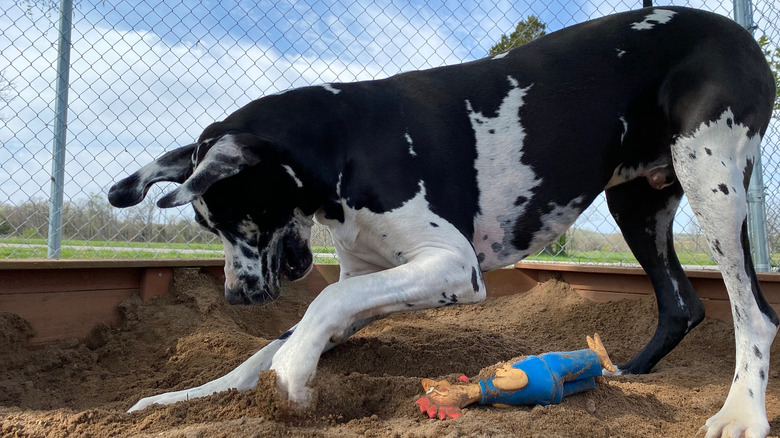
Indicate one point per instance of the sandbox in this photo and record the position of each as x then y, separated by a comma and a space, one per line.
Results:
366, 386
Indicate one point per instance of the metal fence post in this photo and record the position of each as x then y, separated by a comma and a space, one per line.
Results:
743, 14
60, 128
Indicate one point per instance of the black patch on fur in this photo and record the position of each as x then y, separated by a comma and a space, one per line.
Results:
717, 247
708, 151
333, 211
286, 334
481, 257
757, 352
497, 247
434, 225
520, 200
761, 374
723, 189
474, 281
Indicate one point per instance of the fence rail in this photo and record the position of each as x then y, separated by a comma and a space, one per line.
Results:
145, 77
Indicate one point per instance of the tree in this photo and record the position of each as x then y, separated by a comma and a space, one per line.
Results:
773, 58
526, 31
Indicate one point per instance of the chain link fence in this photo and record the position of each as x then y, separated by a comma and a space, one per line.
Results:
148, 76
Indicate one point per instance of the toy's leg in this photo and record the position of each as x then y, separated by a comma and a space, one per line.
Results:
597, 346
578, 385
573, 365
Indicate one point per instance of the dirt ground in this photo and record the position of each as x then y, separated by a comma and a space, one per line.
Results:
368, 385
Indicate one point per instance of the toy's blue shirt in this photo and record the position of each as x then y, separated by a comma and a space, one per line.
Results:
551, 377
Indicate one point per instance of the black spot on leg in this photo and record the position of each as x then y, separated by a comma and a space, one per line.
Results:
286, 335
448, 300
761, 375
723, 189
729, 122
474, 282
492, 131
248, 252
737, 313
481, 257
757, 352
717, 247
692, 155
497, 247
708, 151
750, 392
434, 225
485, 237
736, 377
409, 305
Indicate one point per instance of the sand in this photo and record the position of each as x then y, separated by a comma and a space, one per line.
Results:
364, 387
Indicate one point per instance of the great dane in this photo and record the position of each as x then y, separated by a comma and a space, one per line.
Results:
428, 178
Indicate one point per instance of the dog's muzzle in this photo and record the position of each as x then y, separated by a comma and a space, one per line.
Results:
291, 259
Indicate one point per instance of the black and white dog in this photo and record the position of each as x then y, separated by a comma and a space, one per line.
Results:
428, 178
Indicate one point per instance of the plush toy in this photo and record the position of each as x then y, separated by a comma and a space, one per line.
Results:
543, 380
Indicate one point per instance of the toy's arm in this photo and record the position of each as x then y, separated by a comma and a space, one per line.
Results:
444, 400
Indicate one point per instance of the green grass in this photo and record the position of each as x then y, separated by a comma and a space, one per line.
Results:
70, 253
217, 246
686, 258
173, 250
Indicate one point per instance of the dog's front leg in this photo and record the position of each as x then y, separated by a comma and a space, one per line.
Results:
242, 378
434, 277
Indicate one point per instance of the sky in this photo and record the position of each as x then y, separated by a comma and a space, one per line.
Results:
148, 76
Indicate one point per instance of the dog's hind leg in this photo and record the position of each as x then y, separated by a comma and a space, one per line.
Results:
645, 216
713, 165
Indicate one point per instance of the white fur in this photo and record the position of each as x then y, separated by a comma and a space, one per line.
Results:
721, 217
411, 144
501, 176
331, 88
419, 261
658, 16
242, 378
292, 174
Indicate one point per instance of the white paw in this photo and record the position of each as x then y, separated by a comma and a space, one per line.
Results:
291, 382
293, 373
726, 424
162, 399
617, 372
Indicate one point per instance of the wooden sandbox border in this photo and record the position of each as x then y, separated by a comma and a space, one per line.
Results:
66, 299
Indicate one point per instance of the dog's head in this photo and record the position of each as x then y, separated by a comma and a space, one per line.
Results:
244, 190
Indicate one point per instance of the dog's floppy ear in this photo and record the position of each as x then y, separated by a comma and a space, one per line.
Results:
229, 156
173, 166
